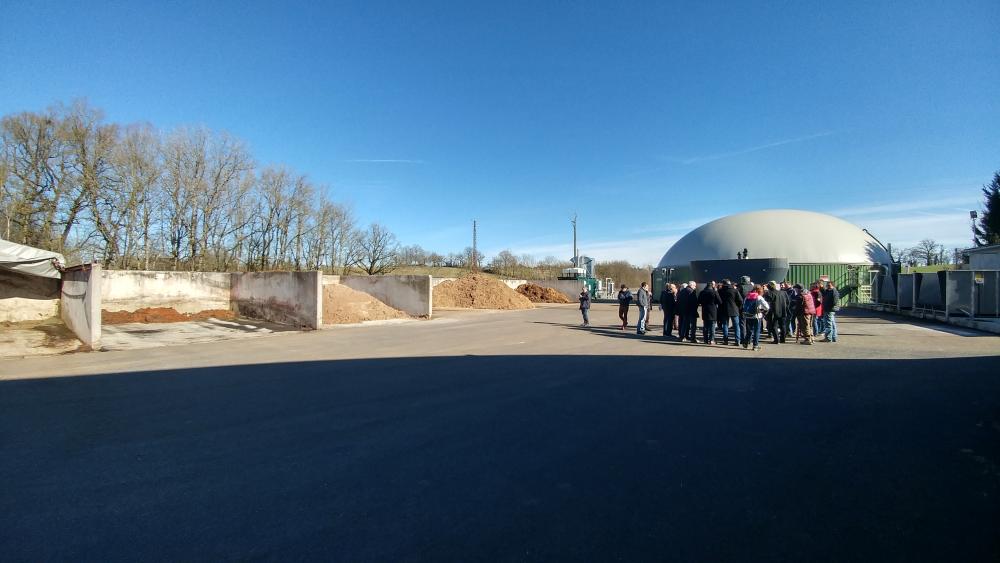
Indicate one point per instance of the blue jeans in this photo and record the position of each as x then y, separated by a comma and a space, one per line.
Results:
640, 327
830, 328
736, 330
753, 331
586, 316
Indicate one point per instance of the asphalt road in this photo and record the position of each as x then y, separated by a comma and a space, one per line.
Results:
508, 457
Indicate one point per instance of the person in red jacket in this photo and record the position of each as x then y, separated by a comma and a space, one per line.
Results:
817, 293
805, 310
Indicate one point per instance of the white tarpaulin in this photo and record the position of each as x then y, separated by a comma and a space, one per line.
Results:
29, 260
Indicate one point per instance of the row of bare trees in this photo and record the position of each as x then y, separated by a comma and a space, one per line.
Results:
135, 198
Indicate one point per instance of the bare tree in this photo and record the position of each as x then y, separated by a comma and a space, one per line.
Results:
927, 251
377, 250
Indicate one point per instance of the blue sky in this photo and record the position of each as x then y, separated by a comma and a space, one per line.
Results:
646, 119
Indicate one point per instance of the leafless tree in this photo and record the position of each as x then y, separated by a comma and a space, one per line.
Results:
377, 250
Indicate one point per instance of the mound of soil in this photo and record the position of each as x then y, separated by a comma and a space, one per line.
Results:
539, 294
162, 315
343, 305
478, 291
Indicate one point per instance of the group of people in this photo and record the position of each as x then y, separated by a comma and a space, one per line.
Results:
744, 311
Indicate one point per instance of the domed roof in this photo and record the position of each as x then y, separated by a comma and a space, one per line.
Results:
803, 237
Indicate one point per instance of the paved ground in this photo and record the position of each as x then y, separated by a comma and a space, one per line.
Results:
508, 436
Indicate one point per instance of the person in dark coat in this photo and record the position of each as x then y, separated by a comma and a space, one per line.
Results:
730, 311
683, 295
624, 302
709, 300
585, 306
690, 312
668, 304
780, 310
831, 304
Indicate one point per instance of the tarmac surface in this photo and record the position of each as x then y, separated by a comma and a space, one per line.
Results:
514, 436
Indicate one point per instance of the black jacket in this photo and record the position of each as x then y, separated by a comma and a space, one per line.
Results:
668, 301
831, 298
584, 300
779, 304
709, 300
683, 294
731, 301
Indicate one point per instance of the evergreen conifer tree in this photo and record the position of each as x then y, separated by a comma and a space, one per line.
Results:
987, 231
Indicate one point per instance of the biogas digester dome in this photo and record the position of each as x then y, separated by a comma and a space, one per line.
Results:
814, 245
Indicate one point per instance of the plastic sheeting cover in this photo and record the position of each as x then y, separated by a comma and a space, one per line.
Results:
29, 260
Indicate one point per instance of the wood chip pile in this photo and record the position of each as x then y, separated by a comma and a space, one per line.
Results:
478, 291
538, 294
343, 305
162, 315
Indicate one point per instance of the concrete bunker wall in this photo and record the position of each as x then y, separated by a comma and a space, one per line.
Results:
185, 292
80, 303
570, 288
292, 298
27, 298
410, 294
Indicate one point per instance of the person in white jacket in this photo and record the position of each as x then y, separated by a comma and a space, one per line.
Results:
754, 307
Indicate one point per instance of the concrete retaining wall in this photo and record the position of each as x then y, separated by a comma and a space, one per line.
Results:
27, 298
513, 284
410, 294
80, 303
292, 298
185, 292
570, 288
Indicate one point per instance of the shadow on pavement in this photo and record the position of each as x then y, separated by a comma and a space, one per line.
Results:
536, 458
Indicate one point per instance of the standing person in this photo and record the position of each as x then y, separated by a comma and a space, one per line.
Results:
817, 292
585, 306
804, 313
691, 312
779, 313
792, 300
624, 302
768, 296
683, 295
831, 304
642, 299
754, 307
668, 304
709, 301
729, 311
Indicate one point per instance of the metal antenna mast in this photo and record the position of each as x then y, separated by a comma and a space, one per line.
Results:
576, 260
475, 253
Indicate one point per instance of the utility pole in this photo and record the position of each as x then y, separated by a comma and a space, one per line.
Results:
576, 260
475, 252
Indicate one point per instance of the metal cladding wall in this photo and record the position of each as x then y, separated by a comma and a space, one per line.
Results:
847, 277
757, 269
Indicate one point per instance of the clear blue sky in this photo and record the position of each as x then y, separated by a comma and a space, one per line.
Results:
646, 120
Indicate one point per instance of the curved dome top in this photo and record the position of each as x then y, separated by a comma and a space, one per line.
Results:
803, 237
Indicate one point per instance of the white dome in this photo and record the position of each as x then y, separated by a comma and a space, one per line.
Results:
803, 237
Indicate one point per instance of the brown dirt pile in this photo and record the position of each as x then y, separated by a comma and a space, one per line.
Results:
478, 291
539, 294
162, 315
343, 305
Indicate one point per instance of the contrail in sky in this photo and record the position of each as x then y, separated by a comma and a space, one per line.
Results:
696, 159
